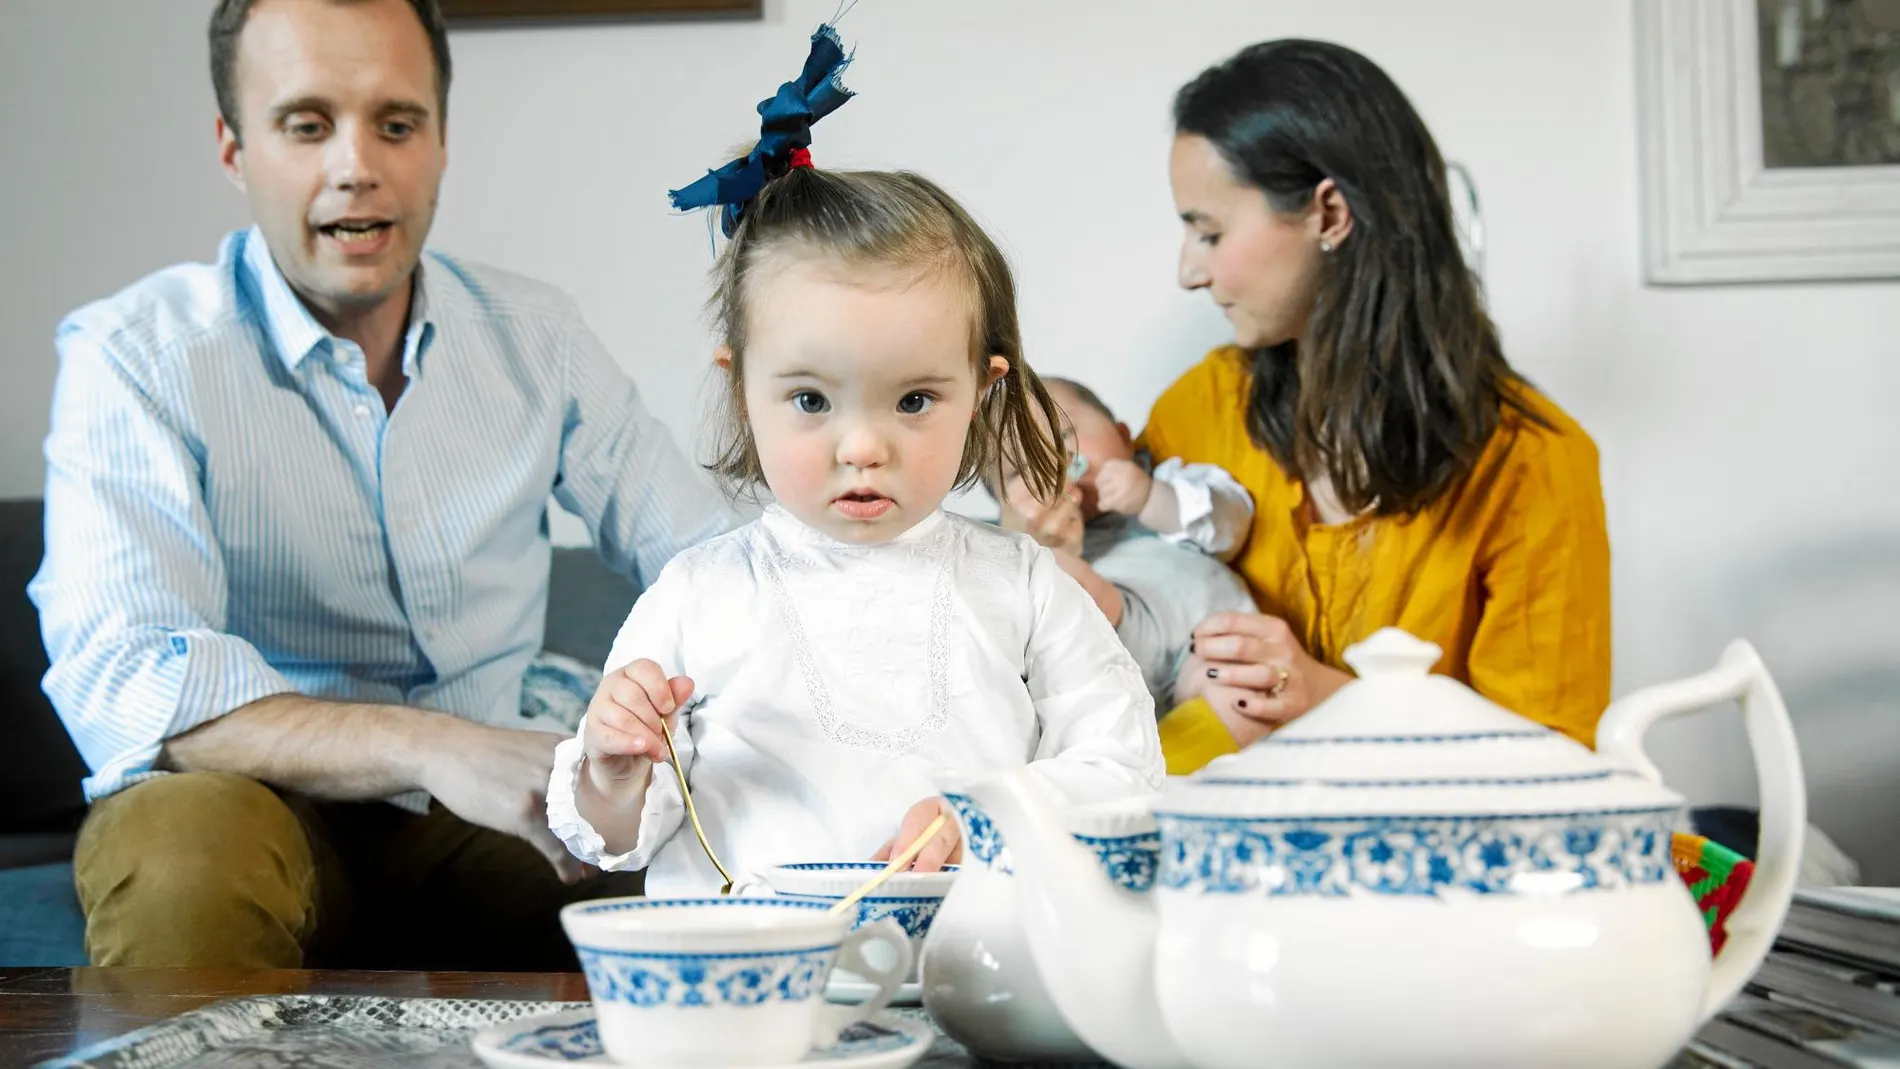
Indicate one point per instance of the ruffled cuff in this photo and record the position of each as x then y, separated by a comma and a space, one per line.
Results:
1215, 512
659, 817
1194, 500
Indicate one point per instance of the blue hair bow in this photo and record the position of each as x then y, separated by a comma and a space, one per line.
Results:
784, 127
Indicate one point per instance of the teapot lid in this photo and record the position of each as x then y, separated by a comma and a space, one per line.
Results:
1399, 741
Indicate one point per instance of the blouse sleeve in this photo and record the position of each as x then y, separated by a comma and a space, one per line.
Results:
1097, 720
1159, 436
1542, 644
1215, 510
652, 630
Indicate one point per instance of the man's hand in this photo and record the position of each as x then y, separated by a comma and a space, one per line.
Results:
1122, 487
343, 751
498, 778
944, 848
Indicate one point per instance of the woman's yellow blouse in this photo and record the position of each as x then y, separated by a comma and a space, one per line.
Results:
1508, 572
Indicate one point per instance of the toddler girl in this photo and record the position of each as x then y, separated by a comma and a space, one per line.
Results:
821, 666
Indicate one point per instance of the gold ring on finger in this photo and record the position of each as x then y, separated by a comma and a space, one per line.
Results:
1280, 681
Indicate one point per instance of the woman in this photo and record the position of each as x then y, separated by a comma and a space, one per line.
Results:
1403, 474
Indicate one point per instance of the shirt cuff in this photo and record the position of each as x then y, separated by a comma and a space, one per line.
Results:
1192, 736
658, 818
159, 687
1194, 501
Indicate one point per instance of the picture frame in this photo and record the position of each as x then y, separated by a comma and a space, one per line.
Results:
1713, 211
467, 12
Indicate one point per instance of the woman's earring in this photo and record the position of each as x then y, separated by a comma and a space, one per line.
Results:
1325, 246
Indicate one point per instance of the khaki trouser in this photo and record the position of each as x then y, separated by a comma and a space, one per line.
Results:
214, 869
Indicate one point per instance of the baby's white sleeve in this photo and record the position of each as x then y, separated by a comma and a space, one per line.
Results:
652, 631
1216, 512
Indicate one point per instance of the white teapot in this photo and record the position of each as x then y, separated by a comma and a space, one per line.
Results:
1409, 875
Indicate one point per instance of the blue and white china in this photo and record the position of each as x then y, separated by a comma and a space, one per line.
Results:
911, 899
1407, 875
725, 981
980, 981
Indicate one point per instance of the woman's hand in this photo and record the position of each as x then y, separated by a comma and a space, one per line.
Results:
1255, 674
944, 848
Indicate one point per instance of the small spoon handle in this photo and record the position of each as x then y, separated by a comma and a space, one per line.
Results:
692, 814
897, 864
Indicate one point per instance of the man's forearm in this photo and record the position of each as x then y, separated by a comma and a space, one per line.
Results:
324, 749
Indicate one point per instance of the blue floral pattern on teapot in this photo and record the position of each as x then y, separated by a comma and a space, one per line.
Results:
1132, 861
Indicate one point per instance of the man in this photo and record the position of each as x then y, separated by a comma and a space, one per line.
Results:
296, 545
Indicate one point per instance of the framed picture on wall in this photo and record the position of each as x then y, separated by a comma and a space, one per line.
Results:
1770, 139
467, 11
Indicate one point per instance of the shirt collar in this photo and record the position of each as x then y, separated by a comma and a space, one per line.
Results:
419, 336
295, 333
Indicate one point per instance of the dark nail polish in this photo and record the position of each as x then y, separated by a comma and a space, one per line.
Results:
1190, 645
1213, 673
1241, 704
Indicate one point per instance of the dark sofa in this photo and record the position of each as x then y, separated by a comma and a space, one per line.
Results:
40, 802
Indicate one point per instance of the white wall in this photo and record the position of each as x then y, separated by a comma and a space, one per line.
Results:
1749, 444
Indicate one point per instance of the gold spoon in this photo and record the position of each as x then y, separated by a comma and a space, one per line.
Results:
691, 813
897, 863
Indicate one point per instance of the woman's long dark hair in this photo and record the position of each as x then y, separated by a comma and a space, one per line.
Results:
1399, 379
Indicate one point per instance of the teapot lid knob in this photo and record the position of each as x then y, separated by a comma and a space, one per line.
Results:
1392, 652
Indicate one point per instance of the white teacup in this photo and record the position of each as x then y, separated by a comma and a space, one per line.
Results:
725, 981
908, 898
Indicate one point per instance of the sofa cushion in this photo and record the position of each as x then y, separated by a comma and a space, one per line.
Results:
587, 603
20, 849
40, 922
39, 783
39, 789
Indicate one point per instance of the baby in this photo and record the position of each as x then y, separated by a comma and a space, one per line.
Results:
1146, 544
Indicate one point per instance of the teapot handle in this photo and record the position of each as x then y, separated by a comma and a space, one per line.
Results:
1740, 675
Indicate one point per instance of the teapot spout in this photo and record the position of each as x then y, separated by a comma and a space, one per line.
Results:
1093, 941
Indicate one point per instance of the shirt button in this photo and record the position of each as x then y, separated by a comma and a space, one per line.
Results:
362, 411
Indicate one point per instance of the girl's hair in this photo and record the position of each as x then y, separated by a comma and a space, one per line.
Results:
1399, 380
904, 224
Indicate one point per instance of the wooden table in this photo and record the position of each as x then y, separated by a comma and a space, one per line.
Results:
45, 1013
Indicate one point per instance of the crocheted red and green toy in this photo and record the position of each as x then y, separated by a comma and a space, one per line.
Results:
1716, 876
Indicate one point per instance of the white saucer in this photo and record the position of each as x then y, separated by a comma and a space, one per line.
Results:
570, 1038
847, 986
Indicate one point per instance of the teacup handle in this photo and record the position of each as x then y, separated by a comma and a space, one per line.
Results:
1740, 675
833, 1020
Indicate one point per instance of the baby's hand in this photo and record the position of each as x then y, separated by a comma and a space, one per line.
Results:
944, 848
622, 738
1121, 486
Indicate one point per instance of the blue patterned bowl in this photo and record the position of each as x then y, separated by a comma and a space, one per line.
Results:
718, 981
909, 898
